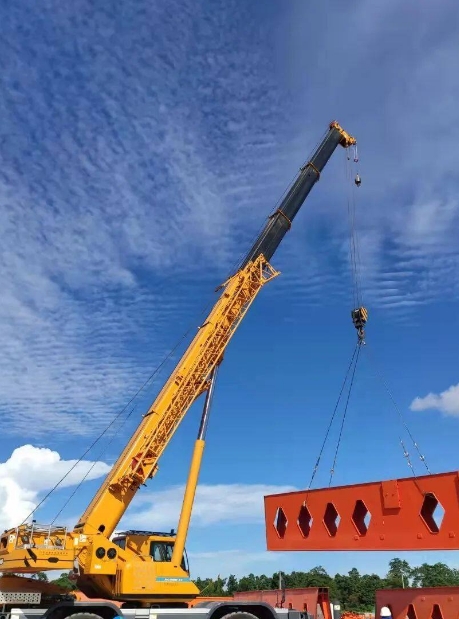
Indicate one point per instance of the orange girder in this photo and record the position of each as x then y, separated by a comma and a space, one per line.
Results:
422, 603
419, 513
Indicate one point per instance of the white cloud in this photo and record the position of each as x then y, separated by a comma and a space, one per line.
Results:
230, 503
446, 402
29, 472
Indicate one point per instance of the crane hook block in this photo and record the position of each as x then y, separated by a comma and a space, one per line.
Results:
358, 180
359, 318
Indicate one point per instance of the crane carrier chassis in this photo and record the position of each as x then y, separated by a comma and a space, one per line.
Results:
202, 610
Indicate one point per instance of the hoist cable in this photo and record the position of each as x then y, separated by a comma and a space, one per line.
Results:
354, 252
357, 247
355, 266
316, 467
344, 414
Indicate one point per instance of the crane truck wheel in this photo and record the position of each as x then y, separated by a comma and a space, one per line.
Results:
239, 614
84, 616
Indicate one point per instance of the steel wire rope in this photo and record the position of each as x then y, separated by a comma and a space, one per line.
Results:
354, 263
316, 467
379, 374
354, 254
357, 246
96, 461
356, 268
359, 345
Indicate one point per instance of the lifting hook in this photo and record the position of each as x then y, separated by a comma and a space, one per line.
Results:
359, 318
358, 180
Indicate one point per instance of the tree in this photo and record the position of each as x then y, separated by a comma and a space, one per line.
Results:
40, 576
437, 575
399, 574
231, 584
65, 582
248, 583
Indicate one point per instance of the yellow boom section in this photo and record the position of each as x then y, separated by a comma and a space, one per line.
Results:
139, 460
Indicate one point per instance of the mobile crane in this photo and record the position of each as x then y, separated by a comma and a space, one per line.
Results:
142, 568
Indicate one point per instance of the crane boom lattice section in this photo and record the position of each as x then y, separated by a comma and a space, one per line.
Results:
139, 461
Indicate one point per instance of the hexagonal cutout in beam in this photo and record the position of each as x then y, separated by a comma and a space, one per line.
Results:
432, 512
304, 521
280, 522
361, 517
436, 612
411, 613
331, 519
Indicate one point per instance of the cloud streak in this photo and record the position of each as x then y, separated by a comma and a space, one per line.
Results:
128, 160
112, 183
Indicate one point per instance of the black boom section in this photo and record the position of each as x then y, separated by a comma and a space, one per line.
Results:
280, 222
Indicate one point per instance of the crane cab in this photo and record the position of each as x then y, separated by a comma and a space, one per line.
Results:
157, 546
149, 559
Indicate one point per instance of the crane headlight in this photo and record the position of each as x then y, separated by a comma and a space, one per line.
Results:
100, 552
111, 553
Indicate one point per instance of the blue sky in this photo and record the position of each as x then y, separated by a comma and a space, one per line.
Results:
142, 148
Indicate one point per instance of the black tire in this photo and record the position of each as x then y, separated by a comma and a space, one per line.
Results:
84, 616
240, 614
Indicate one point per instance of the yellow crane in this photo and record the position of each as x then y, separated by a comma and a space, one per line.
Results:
142, 568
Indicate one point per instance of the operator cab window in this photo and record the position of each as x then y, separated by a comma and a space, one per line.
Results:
162, 553
121, 542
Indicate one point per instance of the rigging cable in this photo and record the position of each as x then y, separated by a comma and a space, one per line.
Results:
359, 317
316, 467
359, 346
360, 314
379, 374
96, 461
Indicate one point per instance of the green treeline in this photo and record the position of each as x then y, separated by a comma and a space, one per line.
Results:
355, 591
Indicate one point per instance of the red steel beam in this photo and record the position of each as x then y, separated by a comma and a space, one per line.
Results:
307, 599
425, 603
401, 514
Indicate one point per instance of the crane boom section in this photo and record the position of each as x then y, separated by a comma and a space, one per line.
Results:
139, 460
280, 221
143, 565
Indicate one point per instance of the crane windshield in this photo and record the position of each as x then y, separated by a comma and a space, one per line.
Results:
162, 552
